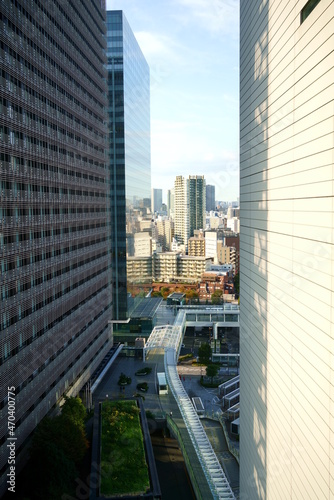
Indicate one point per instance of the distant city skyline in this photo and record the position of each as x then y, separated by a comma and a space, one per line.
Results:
192, 48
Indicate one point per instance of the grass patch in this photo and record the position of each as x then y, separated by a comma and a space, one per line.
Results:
185, 357
123, 465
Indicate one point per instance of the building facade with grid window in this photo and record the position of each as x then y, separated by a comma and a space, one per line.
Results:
286, 249
54, 212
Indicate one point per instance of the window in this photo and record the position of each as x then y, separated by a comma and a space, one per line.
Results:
307, 9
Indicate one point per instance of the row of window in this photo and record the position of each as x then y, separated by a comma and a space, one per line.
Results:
10, 320
12, 84
15, 138
31, 72
53, 212
55, 45
20, 189
47, 233
31, 119
16, 163
19, 286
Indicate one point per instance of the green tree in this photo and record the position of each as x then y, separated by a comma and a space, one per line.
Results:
74, 410
216, 297
71, 438
64, 433
211, 371
51, 472
204, 353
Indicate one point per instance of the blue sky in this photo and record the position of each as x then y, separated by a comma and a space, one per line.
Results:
192, 48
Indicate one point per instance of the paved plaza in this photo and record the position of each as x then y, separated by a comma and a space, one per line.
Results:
166, 404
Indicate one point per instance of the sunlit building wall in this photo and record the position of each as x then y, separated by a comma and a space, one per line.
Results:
286, 245
129, 146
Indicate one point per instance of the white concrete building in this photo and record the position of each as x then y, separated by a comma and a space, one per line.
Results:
139, 269
211, 245
233, 224
286, 246
142, 244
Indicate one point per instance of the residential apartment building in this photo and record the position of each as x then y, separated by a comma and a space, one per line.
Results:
196, 245
197, 202
139, 269
227, 255
164, 232
181, 211
286, 246
173, 266
142, 244
129, 146
191, 268
54, 213
189, 207
212, 281
164, 266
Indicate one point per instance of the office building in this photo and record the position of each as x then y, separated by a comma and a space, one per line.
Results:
54, 213
189, 207
286, 285
210, 198
129, 145
156, 200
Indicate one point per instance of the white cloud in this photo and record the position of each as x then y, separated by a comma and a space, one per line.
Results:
215, 15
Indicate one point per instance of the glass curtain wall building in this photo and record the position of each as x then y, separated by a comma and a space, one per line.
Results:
54, 212
210, 198
129, 149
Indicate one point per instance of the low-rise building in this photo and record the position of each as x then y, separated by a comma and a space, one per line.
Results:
213, 281
139, 269
165, 266
191, 268
196, 245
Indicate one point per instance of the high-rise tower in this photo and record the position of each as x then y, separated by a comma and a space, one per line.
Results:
286, 249
55, 235
189, 207
210, 198
129, 146
156, 200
